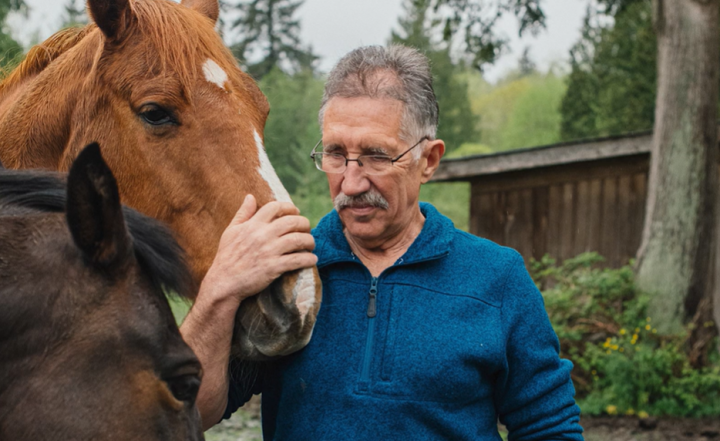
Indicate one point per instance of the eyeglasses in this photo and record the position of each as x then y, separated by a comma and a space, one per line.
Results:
371, 164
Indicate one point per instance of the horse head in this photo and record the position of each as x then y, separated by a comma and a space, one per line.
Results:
180, 125
90, 346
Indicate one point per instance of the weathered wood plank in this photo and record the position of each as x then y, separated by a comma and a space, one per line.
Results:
608, 233
555, 210
567, 232
540, 219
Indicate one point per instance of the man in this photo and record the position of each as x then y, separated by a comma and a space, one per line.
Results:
425, 332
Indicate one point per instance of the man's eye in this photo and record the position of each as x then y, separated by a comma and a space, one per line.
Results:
375, 159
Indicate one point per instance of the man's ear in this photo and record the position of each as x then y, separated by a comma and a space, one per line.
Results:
433, 152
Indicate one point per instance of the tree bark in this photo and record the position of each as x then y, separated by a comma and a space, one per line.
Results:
676, 258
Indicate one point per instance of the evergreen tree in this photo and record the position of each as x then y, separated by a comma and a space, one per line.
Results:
457, 122
269, 31
612, 85
74, 14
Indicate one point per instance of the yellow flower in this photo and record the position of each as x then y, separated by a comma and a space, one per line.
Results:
594, 372
614, 347
643, 414
607, 343
648, 327
654, 331
630, 412
648, 319
637, 330
623, 331
611, 410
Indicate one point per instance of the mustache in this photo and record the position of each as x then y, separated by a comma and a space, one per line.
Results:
371, 197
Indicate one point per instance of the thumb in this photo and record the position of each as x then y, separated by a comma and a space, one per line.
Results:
246, 210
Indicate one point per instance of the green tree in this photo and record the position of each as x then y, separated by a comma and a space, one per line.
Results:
612, 85
10, 49
270, 32
458, 124
74, 14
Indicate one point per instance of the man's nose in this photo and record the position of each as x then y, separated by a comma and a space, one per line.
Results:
355, 181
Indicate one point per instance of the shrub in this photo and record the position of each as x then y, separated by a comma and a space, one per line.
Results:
622, 364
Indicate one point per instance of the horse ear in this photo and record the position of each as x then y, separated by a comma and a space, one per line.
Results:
94, 213
208, 8
113, 17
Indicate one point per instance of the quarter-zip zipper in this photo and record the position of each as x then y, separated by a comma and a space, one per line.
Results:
369, 341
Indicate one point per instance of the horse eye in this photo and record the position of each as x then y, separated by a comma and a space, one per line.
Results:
184, 387
156, 115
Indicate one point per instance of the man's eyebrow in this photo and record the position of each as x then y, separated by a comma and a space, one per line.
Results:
332, 147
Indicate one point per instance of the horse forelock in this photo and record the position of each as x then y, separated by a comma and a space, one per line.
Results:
184, 41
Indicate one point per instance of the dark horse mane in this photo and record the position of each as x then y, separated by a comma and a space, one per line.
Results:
156, 250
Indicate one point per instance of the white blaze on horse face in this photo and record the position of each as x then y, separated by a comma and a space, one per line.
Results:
215, 74
304, 289
267, 172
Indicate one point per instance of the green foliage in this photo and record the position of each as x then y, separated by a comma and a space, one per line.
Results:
612, 86
452, 199
268, 27
10, 50
521, 111
470, 24
457, 122
622, 364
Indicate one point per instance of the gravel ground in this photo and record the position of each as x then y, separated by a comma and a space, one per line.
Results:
245, 426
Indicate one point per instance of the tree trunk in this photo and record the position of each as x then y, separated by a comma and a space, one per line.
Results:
675, 261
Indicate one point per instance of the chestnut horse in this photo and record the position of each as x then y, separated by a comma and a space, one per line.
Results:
90, 349
179, 124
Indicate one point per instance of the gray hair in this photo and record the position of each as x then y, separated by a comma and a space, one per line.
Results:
396, 72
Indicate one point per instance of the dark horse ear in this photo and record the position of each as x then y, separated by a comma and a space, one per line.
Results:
208, 8
113, 17
94, 213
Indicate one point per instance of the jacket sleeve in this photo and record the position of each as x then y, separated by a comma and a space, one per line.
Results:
534, 394
246, 380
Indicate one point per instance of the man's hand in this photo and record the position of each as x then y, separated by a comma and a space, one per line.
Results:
258, 247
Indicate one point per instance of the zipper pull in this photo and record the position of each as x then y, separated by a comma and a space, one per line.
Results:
372, 304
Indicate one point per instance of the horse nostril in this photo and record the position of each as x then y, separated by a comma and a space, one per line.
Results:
184, 387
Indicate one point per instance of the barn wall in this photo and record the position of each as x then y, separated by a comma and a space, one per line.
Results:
565, 210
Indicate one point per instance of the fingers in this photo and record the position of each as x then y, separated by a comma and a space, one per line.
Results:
246, 210
274, 210
295, 242
290, 224
295, 261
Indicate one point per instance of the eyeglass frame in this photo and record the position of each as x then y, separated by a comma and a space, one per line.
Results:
313, 154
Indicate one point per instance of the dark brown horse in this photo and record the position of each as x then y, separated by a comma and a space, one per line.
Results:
179, 124
90, 349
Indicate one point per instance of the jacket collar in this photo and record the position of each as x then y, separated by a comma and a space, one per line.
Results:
433, 241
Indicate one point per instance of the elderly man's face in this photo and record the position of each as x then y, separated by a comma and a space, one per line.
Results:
362, 126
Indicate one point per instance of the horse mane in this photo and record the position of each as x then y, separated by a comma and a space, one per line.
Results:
41, 55
164, 25
155, 248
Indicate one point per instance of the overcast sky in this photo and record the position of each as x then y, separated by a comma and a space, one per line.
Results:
334, 27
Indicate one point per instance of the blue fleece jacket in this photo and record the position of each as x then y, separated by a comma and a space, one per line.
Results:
450, 338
